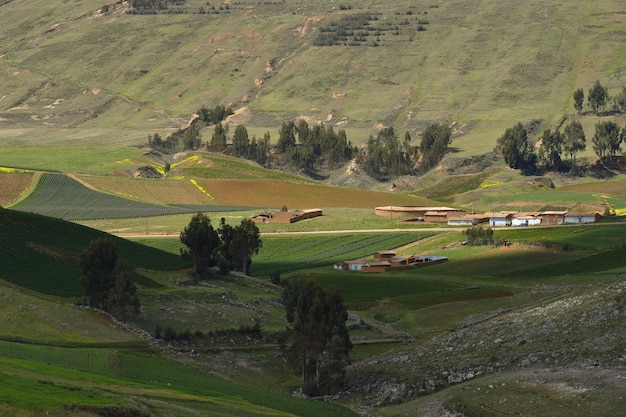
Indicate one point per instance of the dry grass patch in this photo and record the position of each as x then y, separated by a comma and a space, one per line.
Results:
12, 186
150, 190
275, 194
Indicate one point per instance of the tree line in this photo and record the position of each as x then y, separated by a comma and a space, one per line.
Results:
519, 153
229, 248
385, 156
313, 148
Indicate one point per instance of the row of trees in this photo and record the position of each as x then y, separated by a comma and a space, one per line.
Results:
229, 248
385, 156
313, 147
242, 146
598, 99
519, 153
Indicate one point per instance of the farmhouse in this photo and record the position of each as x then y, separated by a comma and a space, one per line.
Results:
466, 219
526, 219
553, 217
416, 212
581, 218
385, 261
286, 216
502, 218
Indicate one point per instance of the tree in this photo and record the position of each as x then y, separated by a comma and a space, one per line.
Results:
219, 137
574, 140
107, 286
579, 99
192, 138
597, 97
606, 139
551, 148
203, 243
286, 136
385, 157
479, 236
516, 149
434, 145
241, 142
246, 241
318, 344
619, 101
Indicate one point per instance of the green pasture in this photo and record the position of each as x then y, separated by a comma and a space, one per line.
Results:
36, 377
99, 160
41, 253
284, 254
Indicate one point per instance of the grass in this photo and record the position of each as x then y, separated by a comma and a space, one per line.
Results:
283, 254
42, 253
85, 376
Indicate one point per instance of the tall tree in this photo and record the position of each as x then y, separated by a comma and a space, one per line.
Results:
241, 142
434, 145
245, 242
219, 137
579, 99
516, 149
606, 139
286, 136
575, 140
619, 101
202, 242
597, 97
99, 264
107, 286
551, 148
318, 342
192, 138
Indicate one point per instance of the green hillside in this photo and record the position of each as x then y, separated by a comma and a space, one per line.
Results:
113, 78
41, 254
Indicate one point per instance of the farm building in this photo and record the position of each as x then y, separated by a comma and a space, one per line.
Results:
436, 216
388, 261
466, 219
286, 216
526, 219
502, 218
580, 218
384, 255
416, 212
354, 265
553, 217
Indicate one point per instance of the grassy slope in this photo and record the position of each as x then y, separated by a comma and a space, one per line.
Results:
411, 302
486, 65
80, 351
47, 251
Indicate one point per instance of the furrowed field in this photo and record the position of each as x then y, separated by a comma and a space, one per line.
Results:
13, 186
